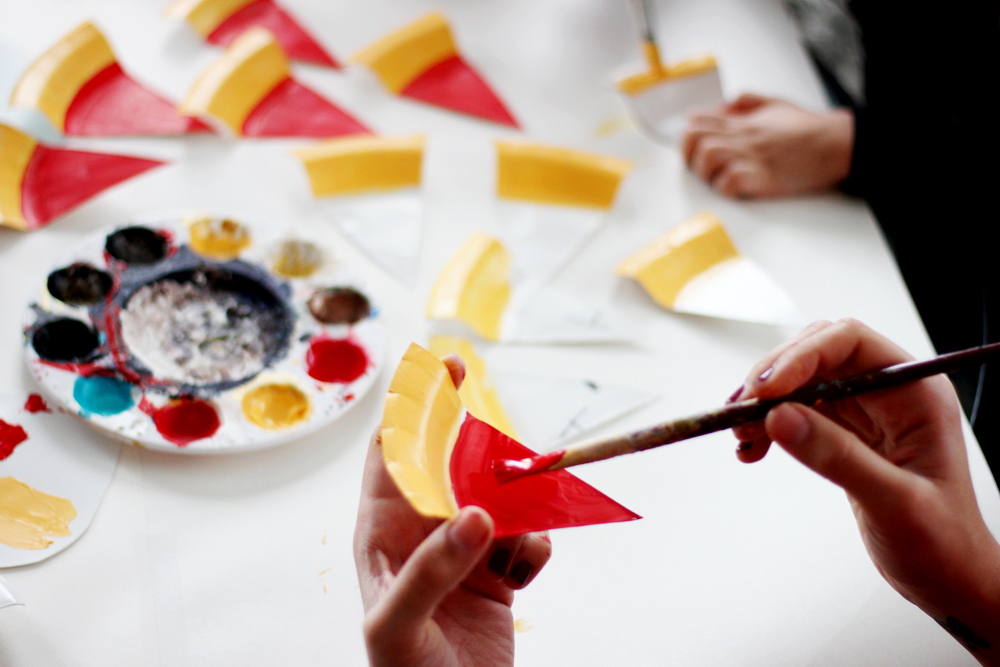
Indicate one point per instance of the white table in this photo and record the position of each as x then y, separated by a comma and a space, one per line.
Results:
246, 560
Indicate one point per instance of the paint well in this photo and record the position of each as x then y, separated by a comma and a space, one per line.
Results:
339, 305
219, 239
297, 259
335, 360
276, 406
11, 435
185, 420
28, 518
137, 245
64, 339
79, 284
104, 396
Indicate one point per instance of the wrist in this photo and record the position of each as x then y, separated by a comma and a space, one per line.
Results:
840, 144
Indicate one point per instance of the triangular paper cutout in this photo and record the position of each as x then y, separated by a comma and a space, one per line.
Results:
544, 501
297, 43
57, 180
114, 104
387, 226
453, 84
292, 110
546, 315
542, 238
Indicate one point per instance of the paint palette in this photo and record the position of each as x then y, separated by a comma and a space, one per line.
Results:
196, 334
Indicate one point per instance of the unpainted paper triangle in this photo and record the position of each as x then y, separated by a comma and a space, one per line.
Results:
546, 315
542, 238
387, 226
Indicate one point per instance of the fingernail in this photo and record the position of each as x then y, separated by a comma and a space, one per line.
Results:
766, 374
545, 538
745, 446
521, 572
499, 562
470, 530
736, 394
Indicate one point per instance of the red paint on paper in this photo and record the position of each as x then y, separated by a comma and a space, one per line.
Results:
292, 110
35, 403
453, 84
57, 180
543, 501
297, 43
508, 470
184, 421
113, 104
335, 360
11, 435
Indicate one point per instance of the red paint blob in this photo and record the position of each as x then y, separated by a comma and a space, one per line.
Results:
11, 436
296, 42
184, 421
36, 403
292, 110
508, 470
330, 360
547, 500
453, 84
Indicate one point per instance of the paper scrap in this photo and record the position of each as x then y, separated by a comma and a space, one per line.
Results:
8, 598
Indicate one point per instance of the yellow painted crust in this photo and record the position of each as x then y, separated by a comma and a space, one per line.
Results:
16, 149
204, 15
473, 287
550, 175
423, 415
221, 239
234, 85
297, 259
52, 81
354, 165
641, 82
478, 393
276, 406
401, 56
29, 517
667, 264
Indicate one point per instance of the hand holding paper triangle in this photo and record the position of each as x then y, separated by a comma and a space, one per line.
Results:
80, 87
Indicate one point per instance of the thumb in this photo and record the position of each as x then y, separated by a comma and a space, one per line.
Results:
835, 453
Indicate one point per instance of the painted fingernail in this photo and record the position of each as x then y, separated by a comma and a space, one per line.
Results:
736, 394
521, 571
499, 561
470, 530
745, 446
766, 374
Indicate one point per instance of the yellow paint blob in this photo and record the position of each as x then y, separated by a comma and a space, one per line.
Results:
550, 175
219, 239
420, 425
276, 406
51, 83
473, 287
16, 148
671, 260
400, 57
204, 15
29, 517
478, 393
354, 165
640, 83
297, 259
233, 86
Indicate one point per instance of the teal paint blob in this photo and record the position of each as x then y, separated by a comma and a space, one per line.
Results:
103, 396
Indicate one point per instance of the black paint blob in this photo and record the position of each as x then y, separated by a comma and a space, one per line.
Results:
339, 305
137, 245
79, 284
64, 340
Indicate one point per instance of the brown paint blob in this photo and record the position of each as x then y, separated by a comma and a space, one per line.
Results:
339, 305
276, 406
297, 259
11, 435
330, 360
29, 517
219, 239
185, 420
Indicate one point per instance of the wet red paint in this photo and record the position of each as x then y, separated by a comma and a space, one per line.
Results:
183, 421
453, 84
335, 360
35, 403
508, 469
547, 500
11, 435
296, 42
292, 110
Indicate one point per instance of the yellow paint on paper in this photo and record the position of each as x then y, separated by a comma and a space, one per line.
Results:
29, 517
473, 287
16, 148
423, 415
354, 165
232, 87
297, 259
550, 175
400, 57
478, 393
219, 239
276, 406
671, 260
204, 15
640, 83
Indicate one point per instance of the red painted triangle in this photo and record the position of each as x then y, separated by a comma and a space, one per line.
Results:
453, 84
57, 180
292, 110
113, 104
546, 500
297, 43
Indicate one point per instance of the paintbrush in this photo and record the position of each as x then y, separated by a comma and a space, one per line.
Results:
742, 412
644, 18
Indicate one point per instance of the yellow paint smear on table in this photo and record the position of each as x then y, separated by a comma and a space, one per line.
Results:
219, 239
233, 86
671, 260
276, 406
522, 625
478, 393
643, 81
29, 517
16, 148
297, 259
420, 425
551, 175
204, 15
52, 81
403, 55
473, 287
355, 165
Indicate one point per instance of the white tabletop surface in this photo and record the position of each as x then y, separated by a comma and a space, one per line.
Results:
246, 560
